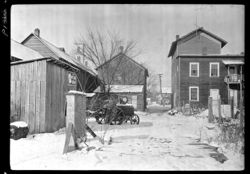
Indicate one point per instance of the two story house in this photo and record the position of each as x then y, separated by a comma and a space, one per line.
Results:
199, 70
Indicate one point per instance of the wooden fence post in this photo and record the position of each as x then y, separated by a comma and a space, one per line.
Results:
219, 110
190, 108
210, 110
241, 114
232, 107
75, 119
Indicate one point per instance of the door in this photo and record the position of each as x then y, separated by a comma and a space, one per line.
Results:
232, 70
134, 101
234, 94
214, 93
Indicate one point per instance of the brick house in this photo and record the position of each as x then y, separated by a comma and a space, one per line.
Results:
122, 72
199, 70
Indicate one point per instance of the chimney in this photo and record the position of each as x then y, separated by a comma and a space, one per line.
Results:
177, 37
37, 32
121, 49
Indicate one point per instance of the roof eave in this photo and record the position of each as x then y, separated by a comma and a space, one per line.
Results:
172, 49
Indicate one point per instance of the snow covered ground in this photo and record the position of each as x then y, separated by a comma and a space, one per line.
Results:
159, 142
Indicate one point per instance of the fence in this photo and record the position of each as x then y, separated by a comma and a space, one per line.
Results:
221, 111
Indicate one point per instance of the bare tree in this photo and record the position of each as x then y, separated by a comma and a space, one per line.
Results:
152, 84
99, 48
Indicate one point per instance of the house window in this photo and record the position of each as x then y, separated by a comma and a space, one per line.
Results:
78, 57
194, 93
214, 69
193, 69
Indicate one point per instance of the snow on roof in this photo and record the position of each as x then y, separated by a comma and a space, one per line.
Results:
81, 93
166, 90
75, 92
233, 62
89, 94
22, 52
124, 88
63, 55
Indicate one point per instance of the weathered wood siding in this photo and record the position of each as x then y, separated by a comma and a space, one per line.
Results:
196, 43
38, 95
38, 46
123, 71
57, 87
28, 87
204, 82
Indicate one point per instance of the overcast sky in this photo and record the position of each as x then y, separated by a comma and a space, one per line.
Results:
153, 27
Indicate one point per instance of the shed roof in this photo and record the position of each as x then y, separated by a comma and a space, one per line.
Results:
124, 89
61, 54
233, 62
22, 52
201, 29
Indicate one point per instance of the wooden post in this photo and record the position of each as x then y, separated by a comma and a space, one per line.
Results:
219, 109
210, 110
189, 108
228, 89
232, 106
241, 101
75, 118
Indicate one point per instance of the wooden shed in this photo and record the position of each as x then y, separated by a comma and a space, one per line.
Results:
86, 79
41, 75
38, 89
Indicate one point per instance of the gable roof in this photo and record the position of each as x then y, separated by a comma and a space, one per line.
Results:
124, 55
22, 52
201, 29
60, 54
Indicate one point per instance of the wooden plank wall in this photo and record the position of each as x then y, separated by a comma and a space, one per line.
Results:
28, 94
57, 86
38, 46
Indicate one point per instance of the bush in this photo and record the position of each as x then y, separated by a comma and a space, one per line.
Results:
232, 135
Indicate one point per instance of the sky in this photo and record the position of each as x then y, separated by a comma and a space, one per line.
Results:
152, 27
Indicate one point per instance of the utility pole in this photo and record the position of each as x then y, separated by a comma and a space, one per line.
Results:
160, 86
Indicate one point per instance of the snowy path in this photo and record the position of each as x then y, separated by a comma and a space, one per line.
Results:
159, 142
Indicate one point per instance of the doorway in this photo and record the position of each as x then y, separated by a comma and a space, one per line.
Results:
214, 93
